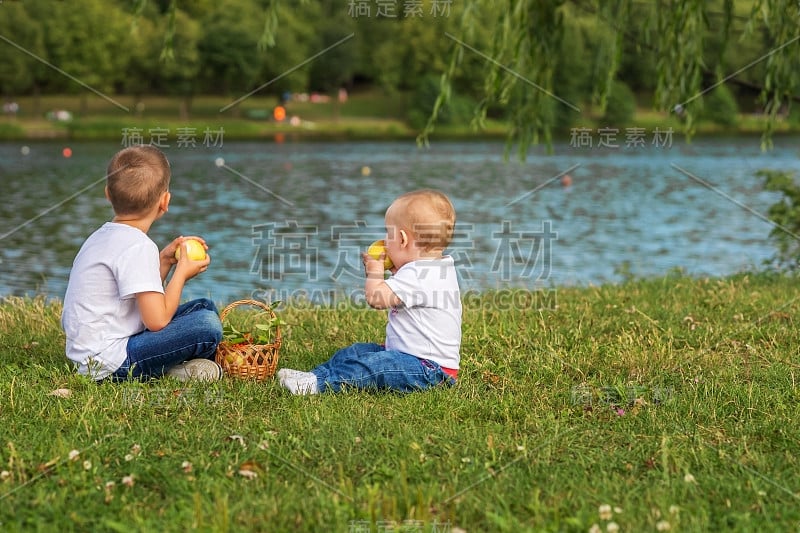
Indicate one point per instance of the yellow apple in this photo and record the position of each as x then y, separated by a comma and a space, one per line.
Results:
234, 359
376, 249
196, 250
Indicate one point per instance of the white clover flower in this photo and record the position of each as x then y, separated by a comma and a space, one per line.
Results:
87, 465
595, 529
688, 478
612, 527
128, 481
605, 512
663, 525
73, 455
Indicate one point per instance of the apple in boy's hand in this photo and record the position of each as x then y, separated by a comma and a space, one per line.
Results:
376, 249
195, 250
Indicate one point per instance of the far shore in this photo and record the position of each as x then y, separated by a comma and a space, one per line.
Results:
364, 116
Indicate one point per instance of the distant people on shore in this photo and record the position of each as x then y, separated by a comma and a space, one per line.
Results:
11, 109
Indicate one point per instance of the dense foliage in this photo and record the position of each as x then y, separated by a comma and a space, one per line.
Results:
538, 63
785, 215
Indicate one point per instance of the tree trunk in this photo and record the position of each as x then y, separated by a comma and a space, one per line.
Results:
37, 100
186, 106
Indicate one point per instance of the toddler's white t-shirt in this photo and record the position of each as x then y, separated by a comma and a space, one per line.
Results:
100, 313
428, 323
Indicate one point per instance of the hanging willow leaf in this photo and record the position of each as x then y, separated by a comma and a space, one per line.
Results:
168, 49
522, 55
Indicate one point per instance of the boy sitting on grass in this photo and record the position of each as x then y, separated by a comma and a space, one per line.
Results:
120, 320
423, 335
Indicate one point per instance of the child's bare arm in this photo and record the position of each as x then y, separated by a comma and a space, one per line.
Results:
378, 294
158, 309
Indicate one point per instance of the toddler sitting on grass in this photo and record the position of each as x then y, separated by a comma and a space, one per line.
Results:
423, 334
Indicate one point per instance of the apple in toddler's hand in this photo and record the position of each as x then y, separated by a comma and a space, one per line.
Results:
195, 250
376, 249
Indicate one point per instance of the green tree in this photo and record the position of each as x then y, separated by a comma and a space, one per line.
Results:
458, 109
720, 107
17, 68
337, 67
620, 105
143, 64
573, 80
284, 61
229, 50
179, 70
785, 213
677, 31
87, 39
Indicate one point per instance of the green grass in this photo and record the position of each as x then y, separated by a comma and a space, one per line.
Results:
10, 130
704, 371
370, 114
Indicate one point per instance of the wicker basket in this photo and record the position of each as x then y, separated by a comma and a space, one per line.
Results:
255, 361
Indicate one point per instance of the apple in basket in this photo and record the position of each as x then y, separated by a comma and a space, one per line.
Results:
234, 359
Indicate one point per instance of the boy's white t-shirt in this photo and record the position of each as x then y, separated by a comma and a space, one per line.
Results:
428, 323
100, 312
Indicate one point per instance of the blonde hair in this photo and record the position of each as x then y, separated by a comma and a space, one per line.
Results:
429, 215
136, 178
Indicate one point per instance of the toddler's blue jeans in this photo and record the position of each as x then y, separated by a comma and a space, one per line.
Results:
193, 333
372, 366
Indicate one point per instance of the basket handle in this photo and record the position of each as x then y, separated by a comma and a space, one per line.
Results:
255, 303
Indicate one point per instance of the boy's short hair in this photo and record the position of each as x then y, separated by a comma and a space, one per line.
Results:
136, 178
430, 215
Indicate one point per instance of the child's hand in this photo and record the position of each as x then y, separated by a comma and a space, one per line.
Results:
378, 293
167, 255
374, 267
186, 267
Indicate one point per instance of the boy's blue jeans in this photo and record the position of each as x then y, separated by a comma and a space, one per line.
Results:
368, 365
194, 332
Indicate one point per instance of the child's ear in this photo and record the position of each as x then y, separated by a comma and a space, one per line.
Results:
164, 204
105, 189
403, 238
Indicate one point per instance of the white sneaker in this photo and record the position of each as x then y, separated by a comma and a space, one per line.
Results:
199, 369
284, 373
300, 383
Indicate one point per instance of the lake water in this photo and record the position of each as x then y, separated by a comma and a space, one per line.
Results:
283, 219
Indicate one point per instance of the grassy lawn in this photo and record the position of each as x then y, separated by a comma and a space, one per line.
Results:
672, 401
